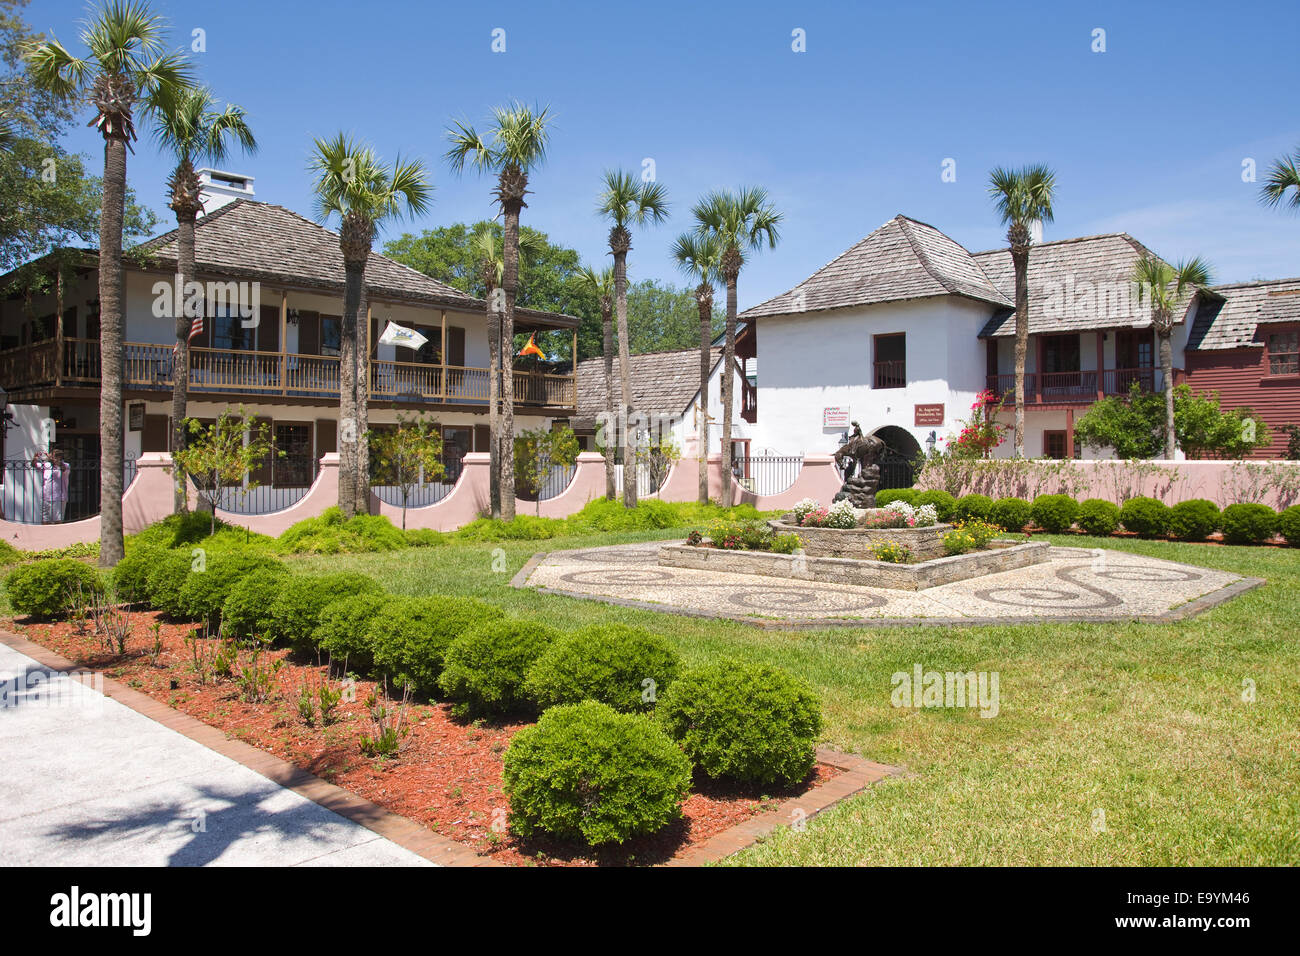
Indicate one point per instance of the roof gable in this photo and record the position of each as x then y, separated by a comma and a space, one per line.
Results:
903, 259
1230, 316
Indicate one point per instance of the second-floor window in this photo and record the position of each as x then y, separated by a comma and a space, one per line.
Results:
1060, 353
890, 361
1284, 352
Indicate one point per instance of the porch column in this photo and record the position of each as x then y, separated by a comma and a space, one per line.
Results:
442, 354
1069, 433
1101, 364
58, 325
284, 342
573, 372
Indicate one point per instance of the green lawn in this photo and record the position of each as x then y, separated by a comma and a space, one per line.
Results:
1145, 722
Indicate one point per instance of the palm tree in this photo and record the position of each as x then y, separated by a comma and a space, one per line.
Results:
125, 66
1022, 197
1165, 286
601, 285
189, 125
624, 201
741, 222
492, 269
699, 255
512, 147
352, 183
1284, 174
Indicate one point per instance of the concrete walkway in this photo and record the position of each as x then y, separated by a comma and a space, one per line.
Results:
87, 781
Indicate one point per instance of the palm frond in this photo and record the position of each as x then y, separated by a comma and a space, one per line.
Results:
698, 255
56, 70
467, 148
1283, 176
1023, 195
521, 135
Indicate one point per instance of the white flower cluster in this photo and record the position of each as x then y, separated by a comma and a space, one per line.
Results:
804, 507
841, 515
922, 517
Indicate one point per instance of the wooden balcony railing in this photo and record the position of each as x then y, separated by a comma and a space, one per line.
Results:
890, 374
1075, 388
149, 366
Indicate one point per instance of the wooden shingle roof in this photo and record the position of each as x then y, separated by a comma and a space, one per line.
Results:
903, 259
663, 383
257, 241
1230, 317
1074, 285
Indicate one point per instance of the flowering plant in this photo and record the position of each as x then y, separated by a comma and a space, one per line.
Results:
892, 552
838, 515
982, 432
899, 514
803, 507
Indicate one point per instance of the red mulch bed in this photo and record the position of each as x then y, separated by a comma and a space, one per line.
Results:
447, 776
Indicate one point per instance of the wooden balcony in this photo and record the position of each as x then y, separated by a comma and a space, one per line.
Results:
254, 374
1076, 388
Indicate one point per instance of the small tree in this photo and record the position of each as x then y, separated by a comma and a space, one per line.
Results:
407, 455
224, 454
1134, 425
658, 454
982, 432
539, 450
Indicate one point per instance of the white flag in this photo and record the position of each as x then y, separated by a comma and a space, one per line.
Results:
395, 334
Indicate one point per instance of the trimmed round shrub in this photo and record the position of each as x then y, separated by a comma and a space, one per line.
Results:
895, 494
943, 502
295, 615
341, 632
410, 636
1097, 516
1193, 520
165, 580
1248, 523
203, 593
52, 587
1145, 517
1055, 514
1010, 514
745, 722
586, 772
131, 576
484, 669
247, 611
622, 666
1288, 525
975, 506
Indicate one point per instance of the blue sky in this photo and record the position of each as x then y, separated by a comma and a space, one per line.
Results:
1148, 137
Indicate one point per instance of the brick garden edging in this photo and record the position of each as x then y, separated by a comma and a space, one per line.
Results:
857, 775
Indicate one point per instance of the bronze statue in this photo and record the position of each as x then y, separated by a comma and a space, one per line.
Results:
858, 457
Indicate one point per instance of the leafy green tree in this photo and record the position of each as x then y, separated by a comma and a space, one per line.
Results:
537, 451
1166, 287
512, 147
1022, 197
700, 256
125, 66
741, 222
1134, 425
353, 184
222, 455
407, 455
626, 202
189, 125
662, 316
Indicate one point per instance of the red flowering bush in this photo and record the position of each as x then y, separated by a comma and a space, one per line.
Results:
982, 432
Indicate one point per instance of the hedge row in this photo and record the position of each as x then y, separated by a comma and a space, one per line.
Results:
1193, 520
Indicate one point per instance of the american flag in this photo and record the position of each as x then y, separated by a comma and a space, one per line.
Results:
196, 328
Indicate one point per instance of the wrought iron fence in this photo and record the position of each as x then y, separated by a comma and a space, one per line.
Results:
556, 481
766, 474
423, 492
289, 481
33, 493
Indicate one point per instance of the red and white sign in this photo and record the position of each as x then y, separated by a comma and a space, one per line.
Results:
836, 416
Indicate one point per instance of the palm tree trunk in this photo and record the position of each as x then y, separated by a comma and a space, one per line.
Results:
510, 283
706, 352
611, 432
185, 270
728, 389
363, 405
349, 434
625, 380
1167, 370
111, 545
494, 403
1020, 260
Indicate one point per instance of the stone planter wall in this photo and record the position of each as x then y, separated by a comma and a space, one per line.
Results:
857, 543
873, 574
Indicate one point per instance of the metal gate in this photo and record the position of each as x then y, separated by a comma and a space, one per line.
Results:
896, 470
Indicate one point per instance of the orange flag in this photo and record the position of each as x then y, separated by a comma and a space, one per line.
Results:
532, 349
